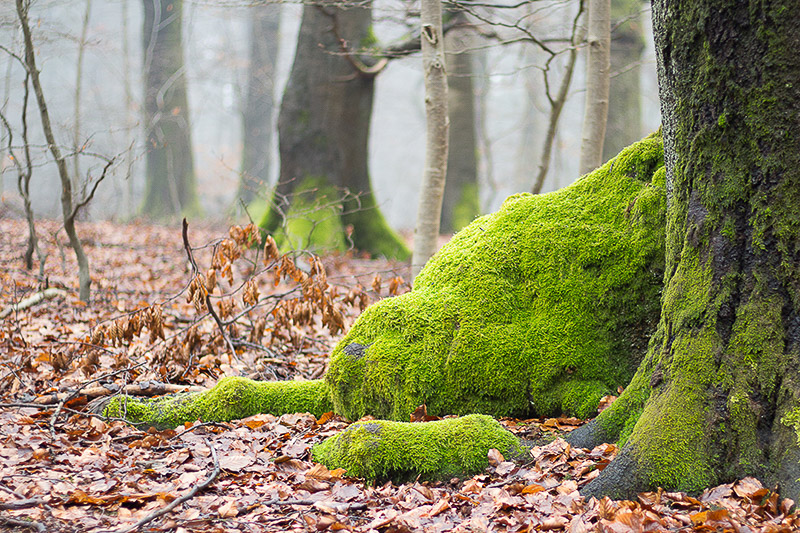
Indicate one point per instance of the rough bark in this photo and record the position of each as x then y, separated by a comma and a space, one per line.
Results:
460, 204
718, 396
597, 80
624, 124
323, 132
169, 167
426, 232
257, 119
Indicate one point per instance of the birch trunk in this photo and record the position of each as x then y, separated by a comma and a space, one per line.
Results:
597, 84
431, 192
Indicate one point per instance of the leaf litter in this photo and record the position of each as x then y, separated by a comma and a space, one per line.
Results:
62, 469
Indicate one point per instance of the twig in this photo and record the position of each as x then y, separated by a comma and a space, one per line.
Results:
46, 294
22, 504
16, 522
188, 496
209, 305
337, 506
134, 389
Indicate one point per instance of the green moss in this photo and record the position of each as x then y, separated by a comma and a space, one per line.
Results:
468, 206
378, 450
538, 309
371, 232
230, 399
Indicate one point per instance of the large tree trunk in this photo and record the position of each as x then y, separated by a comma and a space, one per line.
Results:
257, 119
460, 204
323, 129
718, 395
624, 125
169, 166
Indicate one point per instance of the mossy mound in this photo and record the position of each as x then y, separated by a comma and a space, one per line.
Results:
454, 447
231, 398
538, 309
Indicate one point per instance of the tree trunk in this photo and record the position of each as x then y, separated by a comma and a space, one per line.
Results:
426, 233
257, 120
323, 199
718, 395
624, 124
169, 168
597, 71
84, 279
461, 203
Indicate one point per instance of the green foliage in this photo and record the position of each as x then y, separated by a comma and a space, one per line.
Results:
378, 450
538, 309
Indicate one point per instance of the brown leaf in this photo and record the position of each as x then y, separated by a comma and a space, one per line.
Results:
495, 457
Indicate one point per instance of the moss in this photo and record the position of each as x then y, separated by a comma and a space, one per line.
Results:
378, 450
317, 218
230, 399
468, 206
538, 309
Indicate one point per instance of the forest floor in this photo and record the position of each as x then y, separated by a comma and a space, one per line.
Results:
62, 469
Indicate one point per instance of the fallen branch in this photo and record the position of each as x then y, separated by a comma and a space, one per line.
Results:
338, 507
47, 294
22, 504
16, 522
188, 496
150, 388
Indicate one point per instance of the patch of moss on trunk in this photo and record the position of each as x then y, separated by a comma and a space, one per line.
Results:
454, 447
538, 309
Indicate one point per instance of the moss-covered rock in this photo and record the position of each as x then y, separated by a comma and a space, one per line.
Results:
379, 449
230, 399
538, 309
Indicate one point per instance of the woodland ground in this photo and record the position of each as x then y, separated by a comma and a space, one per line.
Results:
63, 470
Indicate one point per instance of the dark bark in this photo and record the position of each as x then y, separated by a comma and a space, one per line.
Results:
460, 205
624, 125
718, 395
169, 166
323, 130
257, 119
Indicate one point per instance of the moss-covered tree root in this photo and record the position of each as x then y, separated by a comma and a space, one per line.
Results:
454, 447
538, 309
230, 399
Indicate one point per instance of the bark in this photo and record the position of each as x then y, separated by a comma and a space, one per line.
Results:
257, 120
169, 168
624, 124
597, 80
460, 204
426, 233
718, 395
84, 281
323, 132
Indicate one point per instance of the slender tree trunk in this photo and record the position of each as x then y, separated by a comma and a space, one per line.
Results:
426, 233
460, 204
169, 166
257, 120
66, 185
597, 80
130, 121
76, 127
323, 198
624, 125
718, 395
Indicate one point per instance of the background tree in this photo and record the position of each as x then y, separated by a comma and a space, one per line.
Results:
169, 167
461, 203
597, 79
323, 198
624, 124
717, 396
426, 233
258, 108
